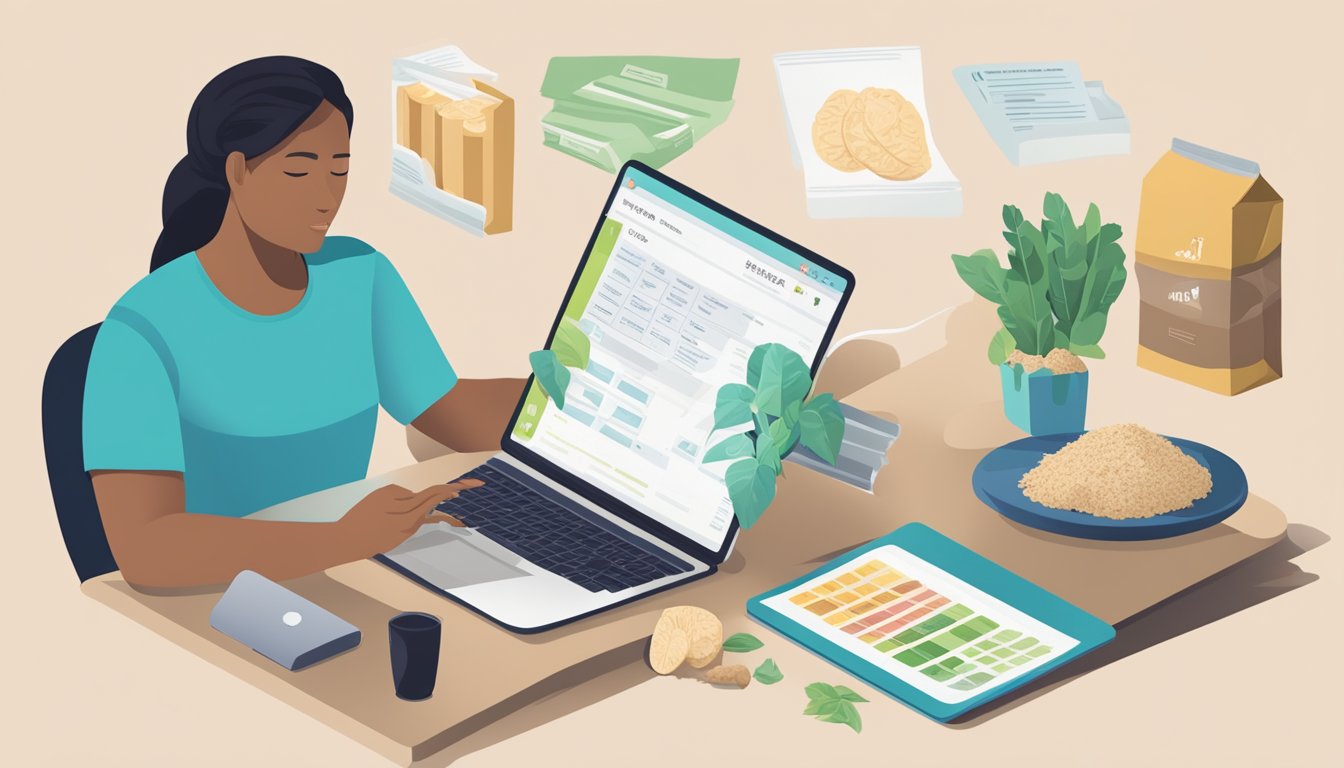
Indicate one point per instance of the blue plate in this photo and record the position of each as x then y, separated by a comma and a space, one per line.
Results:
995, 482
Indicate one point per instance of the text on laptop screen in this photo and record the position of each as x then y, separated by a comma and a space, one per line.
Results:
673, 298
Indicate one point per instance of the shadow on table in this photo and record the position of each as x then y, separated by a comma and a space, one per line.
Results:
1259, 578
562, 694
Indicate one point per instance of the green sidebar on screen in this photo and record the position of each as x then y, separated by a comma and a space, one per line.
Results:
536, 401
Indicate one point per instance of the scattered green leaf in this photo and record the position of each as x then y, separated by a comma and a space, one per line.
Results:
741, 643
842, 712
821, 691
768, 673
848, 694
834, 704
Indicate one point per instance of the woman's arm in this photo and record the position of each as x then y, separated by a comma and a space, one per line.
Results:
158, 545
473, 415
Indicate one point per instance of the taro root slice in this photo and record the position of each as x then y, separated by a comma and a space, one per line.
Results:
667, 649
702, 632
729, 674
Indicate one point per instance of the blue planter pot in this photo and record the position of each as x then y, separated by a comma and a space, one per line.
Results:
1042, 403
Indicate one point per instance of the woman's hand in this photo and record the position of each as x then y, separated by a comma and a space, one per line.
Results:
159, 546
388, 516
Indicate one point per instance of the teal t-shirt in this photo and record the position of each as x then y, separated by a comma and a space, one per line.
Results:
257, 409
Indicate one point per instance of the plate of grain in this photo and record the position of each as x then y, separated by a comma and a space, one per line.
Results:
1120, 483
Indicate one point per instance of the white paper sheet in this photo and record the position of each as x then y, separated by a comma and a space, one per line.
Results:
1043, 111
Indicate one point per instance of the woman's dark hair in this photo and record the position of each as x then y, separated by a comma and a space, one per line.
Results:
250, 108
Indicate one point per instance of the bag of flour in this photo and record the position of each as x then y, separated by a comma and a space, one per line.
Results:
1208, 265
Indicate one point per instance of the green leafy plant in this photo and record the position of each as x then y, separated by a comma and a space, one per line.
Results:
1060, 283
768, 673
569, 349
771, 404
834, 704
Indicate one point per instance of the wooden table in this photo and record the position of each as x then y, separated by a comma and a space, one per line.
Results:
947, 404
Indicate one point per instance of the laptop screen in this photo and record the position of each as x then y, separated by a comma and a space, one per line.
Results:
672, 297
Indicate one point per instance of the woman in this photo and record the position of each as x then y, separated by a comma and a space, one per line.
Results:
248, 366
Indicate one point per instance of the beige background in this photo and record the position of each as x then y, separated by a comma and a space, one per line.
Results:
96, 100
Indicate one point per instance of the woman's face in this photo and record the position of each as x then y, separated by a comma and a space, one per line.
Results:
289, 196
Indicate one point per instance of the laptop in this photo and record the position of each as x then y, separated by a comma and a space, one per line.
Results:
606, 500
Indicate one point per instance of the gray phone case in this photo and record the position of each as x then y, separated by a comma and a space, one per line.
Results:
277, 623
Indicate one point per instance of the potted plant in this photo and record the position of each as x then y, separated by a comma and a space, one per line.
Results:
1053, 298
776, 415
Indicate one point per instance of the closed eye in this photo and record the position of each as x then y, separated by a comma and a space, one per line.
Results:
295, 175
342, 173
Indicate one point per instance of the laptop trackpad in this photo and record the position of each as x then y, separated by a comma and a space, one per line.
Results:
446, 560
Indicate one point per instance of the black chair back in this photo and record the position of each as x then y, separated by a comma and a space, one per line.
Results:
63, 439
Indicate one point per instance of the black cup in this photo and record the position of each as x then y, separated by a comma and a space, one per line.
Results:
414, 640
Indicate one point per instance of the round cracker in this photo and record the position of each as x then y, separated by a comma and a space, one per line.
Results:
886, 133
861, 145
897, 125
701, 661
827, 137
703, 629
667, 649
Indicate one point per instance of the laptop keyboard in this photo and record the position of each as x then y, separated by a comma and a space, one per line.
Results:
531, 522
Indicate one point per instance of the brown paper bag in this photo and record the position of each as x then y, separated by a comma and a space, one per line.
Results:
416, 105
1208, 265
468, 144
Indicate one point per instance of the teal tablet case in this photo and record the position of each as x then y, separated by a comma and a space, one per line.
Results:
926, 543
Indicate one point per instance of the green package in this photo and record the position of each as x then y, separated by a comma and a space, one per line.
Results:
610, 109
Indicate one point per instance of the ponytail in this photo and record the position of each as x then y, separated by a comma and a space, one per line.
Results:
193, 207
250, 108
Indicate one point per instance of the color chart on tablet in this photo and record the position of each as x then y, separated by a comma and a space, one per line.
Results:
921, 624
929, 622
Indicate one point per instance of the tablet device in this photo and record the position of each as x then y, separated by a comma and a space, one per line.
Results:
929, 622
